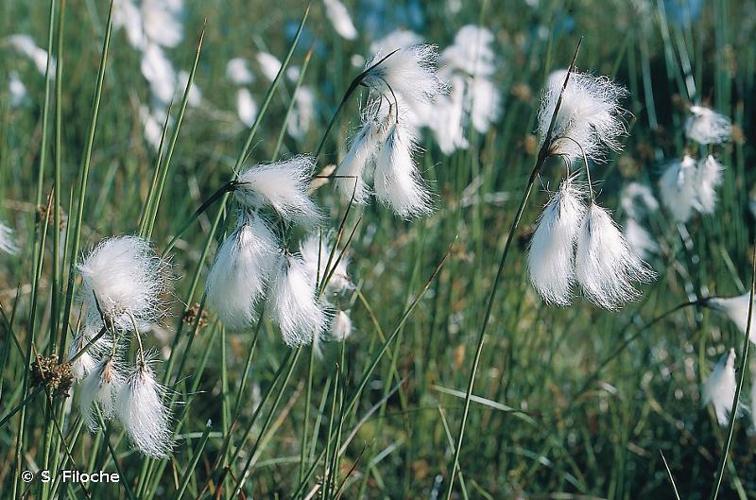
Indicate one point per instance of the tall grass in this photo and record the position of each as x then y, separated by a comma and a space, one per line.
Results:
457, 380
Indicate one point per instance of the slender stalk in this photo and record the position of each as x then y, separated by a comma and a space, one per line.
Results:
543, 154
736, 398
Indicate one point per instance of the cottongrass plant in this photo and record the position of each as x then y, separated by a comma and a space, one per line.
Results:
687, 186
7, 242
736, 310
719, 388
706, 126
339, 17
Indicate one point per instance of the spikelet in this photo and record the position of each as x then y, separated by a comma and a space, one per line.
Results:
283, 186
605, 265
102, 386
241, 270
551, 257
397, 182
678, 188
719, 389
142, 413
590, 114
292, 302
707, 127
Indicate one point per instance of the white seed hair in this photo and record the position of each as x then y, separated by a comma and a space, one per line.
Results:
269, 65
719, 388
736, 310
7, 242
128, 279
142, 413
341, 326
237, 70
102, 386
316, 251
397, 182
708, 180
589, 114
16, 89
241, 270
449, 125
397, 39
25, 45
706, 126
246, 107
84, 364
640, 239
339, 16
302, 113
471, 51
283, 186
162, 22
605, 264
678, 188
293, 304
637, 199
551, 258
159, 73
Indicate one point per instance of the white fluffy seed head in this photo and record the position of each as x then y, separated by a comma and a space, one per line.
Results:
590, 114
142, 413
471, 51
640, 240
397, 182
605, 265
84, 364
102, 386
397, 39
736, 309
25, 45
341, 326
237, 70
339, 16
709, 178
269, 65
449, 125
7, 243
293, 304
283, 186
162, 21
241, 271
316, 252
128, 279
159, 72
551, 258
707, 127
678, 188
638, 199
719, 388
246, 107
409, 73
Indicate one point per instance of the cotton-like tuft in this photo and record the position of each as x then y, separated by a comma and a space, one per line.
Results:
7, 243
102, 386
590, 115
316, 252
237, 70
471, 51
678, 188
709, 179
302, 113
162, 22
605, 265
707, 127
84, 364
246, 107
152, 122
142, 413
16, 90
269, 65
292, 302
736, 309
638, 199
283, 186
128, 279
397, 182
159, 72
241, 270
339, 16
25, 45
341, 326
720, 387
551, 259
397, 39
640, 239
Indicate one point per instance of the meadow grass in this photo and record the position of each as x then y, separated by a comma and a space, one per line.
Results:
454, 358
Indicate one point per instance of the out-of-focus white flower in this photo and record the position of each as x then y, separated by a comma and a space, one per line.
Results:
101, 386
159, 72
7, 242
639, 239
709, 179
590, 115
142, 413
678, 188
246, 107
237, 70
293, 304
707, 127
316, 252
283, 186
341, 326
605, 264
195, 94
128, 280
152, 122
638, 198
269, 65
397, 182
16, 89
471, 51
241, 270
736, 309
293, 72
485, 105
339, 16
302, 114
162, 21
128, 16
720, 387
26, 46
449, 125
397, 39
551, 259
